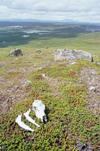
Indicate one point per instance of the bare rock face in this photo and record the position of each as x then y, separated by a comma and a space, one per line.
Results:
16, 52
72, 55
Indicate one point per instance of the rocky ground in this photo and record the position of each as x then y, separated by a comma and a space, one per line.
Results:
91, 78
14, 90
11, 91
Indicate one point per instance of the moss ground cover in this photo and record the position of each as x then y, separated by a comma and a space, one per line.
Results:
70, 125
68, 120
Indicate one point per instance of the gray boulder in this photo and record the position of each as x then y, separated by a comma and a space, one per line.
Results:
38, 51
72, 55
16, 52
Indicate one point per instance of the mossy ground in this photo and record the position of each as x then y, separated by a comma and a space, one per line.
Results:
70, 124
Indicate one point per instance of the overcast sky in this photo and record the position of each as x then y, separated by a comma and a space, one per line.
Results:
77, 10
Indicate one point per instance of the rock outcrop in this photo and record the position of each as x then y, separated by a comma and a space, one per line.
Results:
16, 52
72, 55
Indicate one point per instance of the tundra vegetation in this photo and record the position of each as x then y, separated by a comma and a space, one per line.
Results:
73, 122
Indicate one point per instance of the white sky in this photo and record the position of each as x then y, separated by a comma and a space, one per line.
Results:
78, 10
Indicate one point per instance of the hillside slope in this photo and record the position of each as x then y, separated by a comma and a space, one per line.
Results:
73, 110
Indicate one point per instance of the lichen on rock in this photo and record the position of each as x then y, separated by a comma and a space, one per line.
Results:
72, 55
16, 52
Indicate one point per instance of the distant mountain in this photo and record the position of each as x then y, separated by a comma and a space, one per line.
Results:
18, 20
35, 20
32, 22
22, 23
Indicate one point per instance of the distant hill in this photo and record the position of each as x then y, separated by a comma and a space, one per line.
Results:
21, 23
32, 22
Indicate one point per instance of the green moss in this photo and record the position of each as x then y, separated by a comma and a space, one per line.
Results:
66, 125
68, 121
74, 94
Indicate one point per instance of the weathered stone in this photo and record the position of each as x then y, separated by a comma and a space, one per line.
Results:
91, 88
98, 63
16, 87
72, 55
16, 52
38, 51
43, 75
0, 65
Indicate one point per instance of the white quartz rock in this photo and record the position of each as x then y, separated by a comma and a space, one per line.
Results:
43, 75
29, 118
92, 88
39, 109
22, 124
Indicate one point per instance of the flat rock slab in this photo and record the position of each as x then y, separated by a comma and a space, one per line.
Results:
72, 55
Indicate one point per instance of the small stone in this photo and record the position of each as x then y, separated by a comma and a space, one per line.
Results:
40, 68
98, 63
32, 138
16, 86
72, 63
43, 75
94, 72
13, 97
38, 51
1, 65
15, 59
25, 82
95, 104
96, 91
83, 147
91, 88
10, 91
